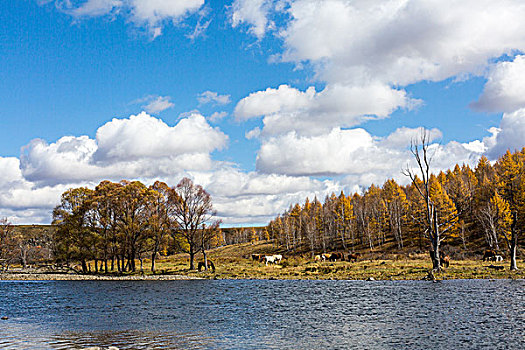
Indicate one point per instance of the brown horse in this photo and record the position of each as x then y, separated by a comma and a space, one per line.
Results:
210, 265
336, 256
353, 256
489, 255
257, 257
444, 259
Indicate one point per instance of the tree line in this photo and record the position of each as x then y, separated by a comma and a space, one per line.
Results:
24, 244
117, 224
456, 207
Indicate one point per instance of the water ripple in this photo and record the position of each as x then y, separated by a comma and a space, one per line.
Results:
468, 314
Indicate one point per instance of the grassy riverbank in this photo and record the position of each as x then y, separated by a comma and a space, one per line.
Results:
385, 267
234, 262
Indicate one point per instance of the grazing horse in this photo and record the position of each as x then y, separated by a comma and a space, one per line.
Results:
496, 258
444, 259
353, 256
210, 265
335, 256
273, 259
326, 256
257, 257
489, 255
318, 258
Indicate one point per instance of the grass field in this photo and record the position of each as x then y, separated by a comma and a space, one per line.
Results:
234, 262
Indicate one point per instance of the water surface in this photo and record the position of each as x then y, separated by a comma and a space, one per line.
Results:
263, 314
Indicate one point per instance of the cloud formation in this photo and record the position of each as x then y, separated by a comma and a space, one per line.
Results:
213, 97
355, 152
139, 146
254, 14
366, 52
151, 14
364, 55
505, 87
310, 112
157, 104
402, 41
509, 135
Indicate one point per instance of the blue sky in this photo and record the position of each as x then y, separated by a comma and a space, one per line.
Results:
263, 102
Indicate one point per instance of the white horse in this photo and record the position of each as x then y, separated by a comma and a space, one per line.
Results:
273, 259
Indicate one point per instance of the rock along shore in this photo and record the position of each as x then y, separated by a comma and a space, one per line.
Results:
74, 277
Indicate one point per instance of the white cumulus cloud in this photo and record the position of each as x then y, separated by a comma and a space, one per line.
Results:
356, 154
309, 112
139, 146
402, 41
253, 13
505, 87
510, 134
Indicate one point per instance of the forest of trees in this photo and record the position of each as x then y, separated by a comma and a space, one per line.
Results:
118, 223
483, 206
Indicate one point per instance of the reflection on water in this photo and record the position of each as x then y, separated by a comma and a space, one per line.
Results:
472, 314
21, 339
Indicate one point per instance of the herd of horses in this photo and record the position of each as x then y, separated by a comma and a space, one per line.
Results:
268, 259
444, 259
492, 255
337, 256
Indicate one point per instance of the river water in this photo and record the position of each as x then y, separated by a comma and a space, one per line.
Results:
263, 314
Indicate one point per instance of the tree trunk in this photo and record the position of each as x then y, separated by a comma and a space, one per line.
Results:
132, 259
192, 258
153, 255
436, 263
84, 266
205, 259
513, 242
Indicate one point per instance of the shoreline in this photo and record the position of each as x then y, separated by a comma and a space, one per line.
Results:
72, 277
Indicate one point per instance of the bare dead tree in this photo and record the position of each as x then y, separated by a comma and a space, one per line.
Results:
5, 240
420, 151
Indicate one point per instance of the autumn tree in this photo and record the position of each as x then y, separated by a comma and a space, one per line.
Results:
496, 220
191, 211
158, 218
74, 230
133, 202
511, 186
344, 213
6, 243
396, 205
104, 206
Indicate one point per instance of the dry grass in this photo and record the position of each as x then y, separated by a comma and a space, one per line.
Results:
234, 262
